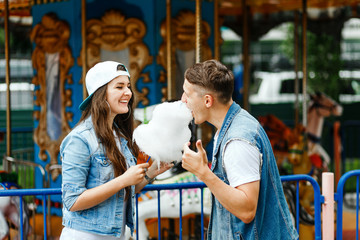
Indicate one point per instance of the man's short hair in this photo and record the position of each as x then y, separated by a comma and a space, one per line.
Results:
213, 76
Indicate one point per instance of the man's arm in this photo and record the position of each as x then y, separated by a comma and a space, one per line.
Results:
240, 201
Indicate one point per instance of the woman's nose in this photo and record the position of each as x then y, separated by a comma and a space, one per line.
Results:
128, 92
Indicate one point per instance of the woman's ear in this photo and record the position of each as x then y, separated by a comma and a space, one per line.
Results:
209, 100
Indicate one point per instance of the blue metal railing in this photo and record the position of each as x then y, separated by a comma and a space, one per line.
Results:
180, 187
318, 199
339, 195
31, 192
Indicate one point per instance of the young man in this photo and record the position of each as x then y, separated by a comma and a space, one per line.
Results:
248, 200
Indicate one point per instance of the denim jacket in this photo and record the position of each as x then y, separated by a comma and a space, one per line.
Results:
272, 219
85, 166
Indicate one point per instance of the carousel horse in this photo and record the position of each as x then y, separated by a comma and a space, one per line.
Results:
279, 134
307, 155
9, 213
320, 106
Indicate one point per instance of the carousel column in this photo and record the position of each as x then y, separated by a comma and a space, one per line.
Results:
195, 128
7, 80
170, 87
198, 32
304, 59
246, 62
216, 30
296, 66
84, 45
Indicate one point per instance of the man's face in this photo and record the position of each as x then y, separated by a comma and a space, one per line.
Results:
195, 101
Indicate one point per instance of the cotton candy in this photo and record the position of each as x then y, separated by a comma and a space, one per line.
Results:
166, 133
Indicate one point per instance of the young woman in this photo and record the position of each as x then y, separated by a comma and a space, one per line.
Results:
99, 172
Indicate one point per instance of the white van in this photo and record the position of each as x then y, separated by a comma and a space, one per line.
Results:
279, 87
21, 96
22, 90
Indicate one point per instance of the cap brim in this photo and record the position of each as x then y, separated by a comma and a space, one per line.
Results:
85, 103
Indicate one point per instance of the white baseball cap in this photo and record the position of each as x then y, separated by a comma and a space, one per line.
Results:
101, 74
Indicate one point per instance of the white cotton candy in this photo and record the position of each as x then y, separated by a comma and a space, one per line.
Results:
163, 138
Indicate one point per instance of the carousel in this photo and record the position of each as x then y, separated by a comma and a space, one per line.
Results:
158, 40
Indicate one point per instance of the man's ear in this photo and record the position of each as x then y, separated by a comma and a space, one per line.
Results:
209, 100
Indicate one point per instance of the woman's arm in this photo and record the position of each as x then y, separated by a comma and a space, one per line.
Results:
76, 166
94, 196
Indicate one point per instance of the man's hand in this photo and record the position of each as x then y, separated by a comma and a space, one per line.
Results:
195, 162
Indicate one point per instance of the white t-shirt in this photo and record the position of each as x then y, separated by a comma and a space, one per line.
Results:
241, 161
72, 234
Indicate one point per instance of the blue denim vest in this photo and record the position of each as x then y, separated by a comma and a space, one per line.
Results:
272, 219
85, 166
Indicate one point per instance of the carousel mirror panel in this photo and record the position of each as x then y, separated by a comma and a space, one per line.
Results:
52, 60
117, 38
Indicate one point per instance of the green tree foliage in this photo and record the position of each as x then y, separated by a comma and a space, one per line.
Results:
19, 41
2, 38
323, 61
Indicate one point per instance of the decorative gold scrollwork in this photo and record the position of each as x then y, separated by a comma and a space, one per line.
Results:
183, 39
113, 32
52, 60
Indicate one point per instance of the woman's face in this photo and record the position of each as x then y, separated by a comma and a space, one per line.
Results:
118, 95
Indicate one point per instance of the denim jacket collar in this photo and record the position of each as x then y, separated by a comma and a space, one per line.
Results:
232, 112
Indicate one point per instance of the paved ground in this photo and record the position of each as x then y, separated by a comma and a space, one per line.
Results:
349, 224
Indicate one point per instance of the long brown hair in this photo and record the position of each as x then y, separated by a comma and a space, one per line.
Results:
123, 126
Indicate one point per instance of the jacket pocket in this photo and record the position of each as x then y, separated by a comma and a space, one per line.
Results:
89, 215
239, 236
105, 169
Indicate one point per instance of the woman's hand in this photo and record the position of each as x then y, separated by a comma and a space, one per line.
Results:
154, 170
135, 174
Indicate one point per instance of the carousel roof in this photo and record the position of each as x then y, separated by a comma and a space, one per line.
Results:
234, 7
22, 7
227, 7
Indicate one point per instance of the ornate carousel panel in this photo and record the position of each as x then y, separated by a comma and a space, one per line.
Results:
52, 60
117, 38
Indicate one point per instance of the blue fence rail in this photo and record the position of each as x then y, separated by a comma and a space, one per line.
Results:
173, 186
21, 193
318, 200
339, 197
